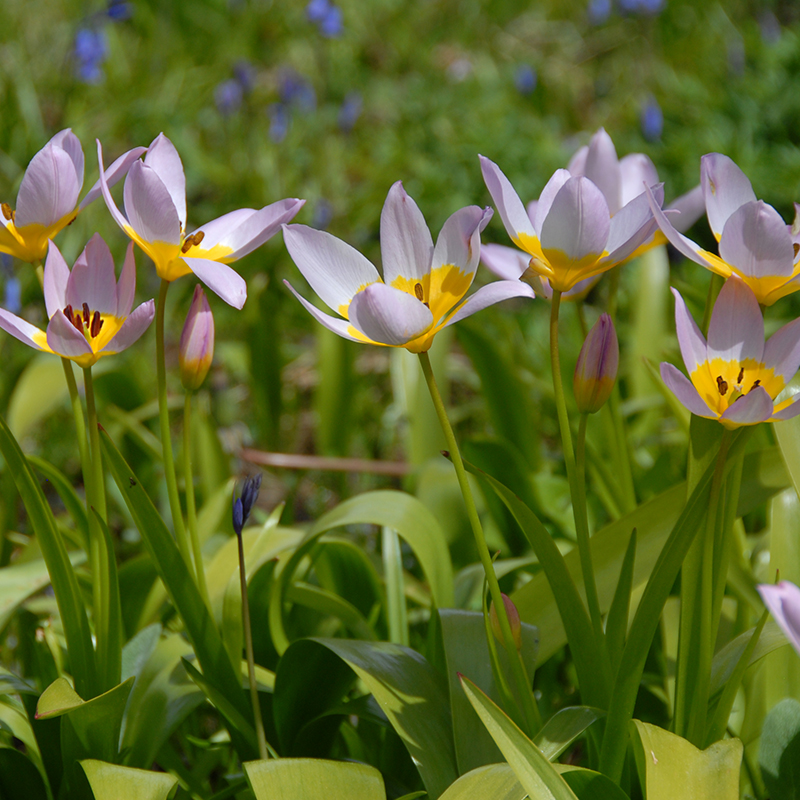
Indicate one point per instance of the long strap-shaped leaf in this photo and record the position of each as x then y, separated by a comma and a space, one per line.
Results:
183, 592
62, 575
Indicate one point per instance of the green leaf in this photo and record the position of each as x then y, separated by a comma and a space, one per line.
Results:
563, 728
39, 391
536, 774
20, 779
494, 781
590, 785
331, 605
15, 720
69, 497
617, 621
672, 768
779, 751
306, 778
113, 782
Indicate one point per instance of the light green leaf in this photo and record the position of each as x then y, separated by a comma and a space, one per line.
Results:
495, 781
113, 782
563, 728
779, 751
68, 495
590, 785
307, 778
39, 391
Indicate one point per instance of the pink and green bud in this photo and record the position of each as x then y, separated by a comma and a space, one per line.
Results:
597, 365
197, 342
513, 619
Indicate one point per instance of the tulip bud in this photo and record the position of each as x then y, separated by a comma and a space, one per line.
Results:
197, 342
513, 619
596, 369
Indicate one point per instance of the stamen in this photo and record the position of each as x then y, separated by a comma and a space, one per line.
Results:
192, 240
757, 383
74, 318
68, 314
87, 315
722, 385
741, 375
7, 212
418, 293
198, 237
796, 248
97, 324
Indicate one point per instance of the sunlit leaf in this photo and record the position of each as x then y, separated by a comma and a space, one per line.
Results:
495, 781
779, 751
113, 782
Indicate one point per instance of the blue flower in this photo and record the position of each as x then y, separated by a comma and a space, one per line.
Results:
279, 122
12, 299
90, 52
350, 111
652, 120
599, 11
296, 91
243, 505
525, 79
228, 96
119, 10
327, 16
323, 213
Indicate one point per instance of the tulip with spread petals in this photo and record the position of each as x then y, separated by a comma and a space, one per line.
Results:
573, 235
755, 243
783, 602
89, 311
155, 218
197, 342
423, 286
734, 377
48, 196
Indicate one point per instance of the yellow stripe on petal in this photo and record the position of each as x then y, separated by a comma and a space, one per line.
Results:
344, 309
219, 252
530, 244
442, 288
720, 383
165, 256
29, 242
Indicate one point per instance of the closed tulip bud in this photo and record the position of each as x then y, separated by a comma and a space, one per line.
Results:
597, 365
197, 342
513, 619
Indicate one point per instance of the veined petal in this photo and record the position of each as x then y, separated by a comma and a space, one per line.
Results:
335, 270
56, 277
578, 222
93, 279
406, 243
632, 224
505, 197
338, 326
119, 169
782, 351
790, 411
551, 189
150, 206
20, 329
507, 263
750, 409
71, 145
126, 288
691, 207
389, 316
459, 242
685, 391
133, 327
49, 188
221, 279
725, 188
636, 169
736, 330
488, 295
106, 191
757, 242
63, 338
163, 158
603, 170
690, 339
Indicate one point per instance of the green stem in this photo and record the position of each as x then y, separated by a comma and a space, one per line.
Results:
166, 440
77, 413
248, 643
191, 509
530, 710
578, 493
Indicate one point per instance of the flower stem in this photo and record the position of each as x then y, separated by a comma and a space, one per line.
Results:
530, 710
191, 511
166, 440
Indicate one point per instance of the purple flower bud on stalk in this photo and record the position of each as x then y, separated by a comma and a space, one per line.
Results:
197, 342
597, 365
783, 602
513, 619
243, 505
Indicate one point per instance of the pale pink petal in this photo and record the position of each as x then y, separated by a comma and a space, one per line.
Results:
117, 171
505, 197
578, 222
219, 230
750, 409
335, 270
691, 341
756, 240
406, 243
490, 294
632, 225
691, 207
133, 327
782, 351
126, 288
49, 188
93, 280
338, 326
577, 164
163, 158
551, 189
530, 209
389, 316
507, 263
221, 279
71, 145
63, 338
636, 169
685, 391
725, 188
56, 277
602, 169
106, 191
150, 207
791, 411
577, 292
459, 242
783, 602
736, 330
19, 328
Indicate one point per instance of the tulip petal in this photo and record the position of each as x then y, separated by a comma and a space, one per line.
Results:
389, 316
488, 295
691, 341
71, 145
783, 602
56, 277
636, 169
106, 191
225, 282
790, 411
603, 170
334, 269
725, 188
551, 189
49, 188
163, 158
782, 351
685, 391
150, 206
578, 222
756, 240
126, 288
93, 280
20, 328
632, 225
119, 169
406, 243
338, 326
63, 338
133, 327
690, 207
577, 164
736, 330
507, 263
459, 242
505, 197
754, 407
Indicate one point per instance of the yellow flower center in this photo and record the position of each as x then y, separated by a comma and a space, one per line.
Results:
721, 383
